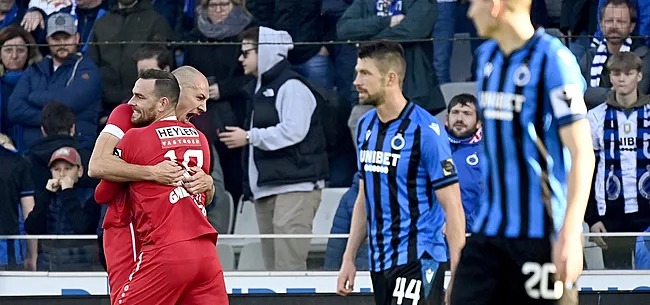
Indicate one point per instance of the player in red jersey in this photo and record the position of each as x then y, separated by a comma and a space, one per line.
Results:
120, 243
178, 263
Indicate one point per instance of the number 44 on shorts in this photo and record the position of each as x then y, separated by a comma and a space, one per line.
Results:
410, 292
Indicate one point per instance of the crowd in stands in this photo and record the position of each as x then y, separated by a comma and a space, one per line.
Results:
281, 116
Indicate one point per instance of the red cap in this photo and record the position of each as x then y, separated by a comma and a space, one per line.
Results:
68, 154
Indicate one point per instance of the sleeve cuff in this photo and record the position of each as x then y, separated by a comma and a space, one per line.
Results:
114, 130
445, 181
27, 193
569, 119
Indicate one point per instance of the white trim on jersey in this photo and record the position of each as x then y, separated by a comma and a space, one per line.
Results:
113, 130
135, 253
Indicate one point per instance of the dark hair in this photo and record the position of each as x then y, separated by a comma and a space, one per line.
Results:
160, 52
633, 14
252, 34
12, 31
463, 99
624, 62
57, 119
166, 84
387, 54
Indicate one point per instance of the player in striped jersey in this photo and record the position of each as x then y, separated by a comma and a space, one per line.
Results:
407, 178
529, 244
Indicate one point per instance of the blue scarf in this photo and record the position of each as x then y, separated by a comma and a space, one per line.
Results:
11, 78
614, 194
386, 8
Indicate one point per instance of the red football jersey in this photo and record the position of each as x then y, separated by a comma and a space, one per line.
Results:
167, 214
118, 213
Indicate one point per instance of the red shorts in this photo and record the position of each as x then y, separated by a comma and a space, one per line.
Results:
120, 248
184, 273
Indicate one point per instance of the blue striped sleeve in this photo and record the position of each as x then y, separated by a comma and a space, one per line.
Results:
436, 155
564, 84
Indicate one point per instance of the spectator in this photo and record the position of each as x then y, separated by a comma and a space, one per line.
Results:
10, 13
464, 130
284, 150
578, 20
302, 20
132, 20
413, 19
65, 76
153, 56
221, 21
642, 7
58, 128
17, 193
618, 20
15, 58
343, 57
86, 12
69, 209
620, 190
341, 225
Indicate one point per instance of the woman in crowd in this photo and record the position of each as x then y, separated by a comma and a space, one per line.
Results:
15, 57
221, 21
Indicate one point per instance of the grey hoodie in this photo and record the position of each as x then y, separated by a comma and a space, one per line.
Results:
295, 105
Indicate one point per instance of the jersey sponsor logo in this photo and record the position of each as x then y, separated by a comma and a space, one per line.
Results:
379, 161
500, 105
176, 132
448, 167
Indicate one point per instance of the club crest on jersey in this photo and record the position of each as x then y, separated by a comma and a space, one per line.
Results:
398, 142
472, 159
627, 127
176, 136
522, 75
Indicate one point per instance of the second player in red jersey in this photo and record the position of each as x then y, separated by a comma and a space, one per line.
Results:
178, 263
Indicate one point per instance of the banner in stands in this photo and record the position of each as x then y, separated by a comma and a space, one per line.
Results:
96, 283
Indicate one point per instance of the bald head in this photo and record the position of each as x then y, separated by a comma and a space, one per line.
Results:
189, 77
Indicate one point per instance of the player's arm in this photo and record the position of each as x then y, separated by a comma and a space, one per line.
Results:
358, 226
105, 165
106, 191
437, 159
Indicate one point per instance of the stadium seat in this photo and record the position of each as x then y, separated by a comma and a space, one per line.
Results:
246, 221
226, 256
250, 258
449, 90
231, 212
330, 198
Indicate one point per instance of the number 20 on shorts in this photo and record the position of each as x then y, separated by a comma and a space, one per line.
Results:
410, 292
539, 276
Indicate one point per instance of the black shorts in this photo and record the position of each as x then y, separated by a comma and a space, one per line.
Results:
419, 282
501, 271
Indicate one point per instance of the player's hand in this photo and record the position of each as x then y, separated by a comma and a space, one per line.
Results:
347, 274
396, 19
214, 92
448, 290
567, 257
599, 227
200, 182
167, 173
30, 264
234, 137
52, 185
66, 183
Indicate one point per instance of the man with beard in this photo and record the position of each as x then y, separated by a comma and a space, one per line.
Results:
64, 76
408, 187
464, 129
120, 244
617, 21
178, 263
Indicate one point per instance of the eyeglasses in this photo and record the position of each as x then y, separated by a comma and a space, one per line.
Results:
223, 5
244, 53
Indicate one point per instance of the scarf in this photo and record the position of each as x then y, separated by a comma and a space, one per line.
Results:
475, 138
11, 78
598, 63
614, 184
234, 24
